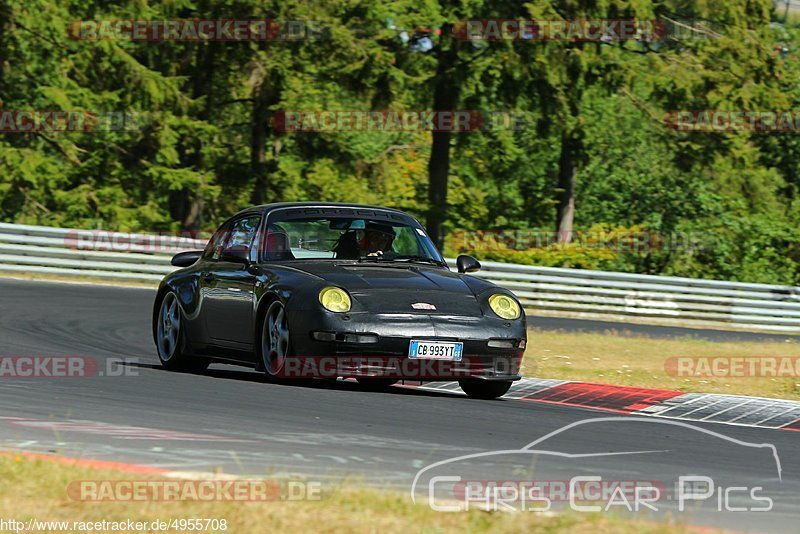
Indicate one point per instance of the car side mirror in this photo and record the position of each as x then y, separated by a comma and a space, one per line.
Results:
237, 254
185, 259
467, 264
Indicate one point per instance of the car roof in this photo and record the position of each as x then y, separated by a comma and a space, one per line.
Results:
264, 208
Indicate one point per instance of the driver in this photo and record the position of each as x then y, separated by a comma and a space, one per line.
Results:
377, 240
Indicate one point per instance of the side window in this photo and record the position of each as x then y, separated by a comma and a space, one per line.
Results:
242, 233
216, 243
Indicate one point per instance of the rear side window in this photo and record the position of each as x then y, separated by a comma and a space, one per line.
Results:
243, 232
217, 243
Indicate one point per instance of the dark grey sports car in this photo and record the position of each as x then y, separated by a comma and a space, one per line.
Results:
320, 290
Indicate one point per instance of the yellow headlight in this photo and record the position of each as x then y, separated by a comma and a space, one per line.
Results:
504, 306
335, 299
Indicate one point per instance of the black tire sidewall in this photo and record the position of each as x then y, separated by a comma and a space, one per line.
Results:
179, 361
485, 389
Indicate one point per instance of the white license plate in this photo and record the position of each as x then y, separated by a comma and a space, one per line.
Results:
435, 350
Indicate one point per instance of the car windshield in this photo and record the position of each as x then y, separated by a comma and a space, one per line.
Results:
365, 240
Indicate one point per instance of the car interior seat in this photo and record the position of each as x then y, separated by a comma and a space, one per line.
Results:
346, 248
277, 247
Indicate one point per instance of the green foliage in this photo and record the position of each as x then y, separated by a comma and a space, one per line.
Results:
204, 146
569, 256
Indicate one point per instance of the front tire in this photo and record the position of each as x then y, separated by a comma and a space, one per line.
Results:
170, 338
484, 389
275, 340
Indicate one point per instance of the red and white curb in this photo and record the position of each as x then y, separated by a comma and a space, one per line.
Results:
88, 463
727, 409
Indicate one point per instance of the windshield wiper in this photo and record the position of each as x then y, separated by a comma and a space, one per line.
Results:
395, 258
421, 259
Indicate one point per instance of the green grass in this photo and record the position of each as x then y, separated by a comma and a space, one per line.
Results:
611, 358
36, 488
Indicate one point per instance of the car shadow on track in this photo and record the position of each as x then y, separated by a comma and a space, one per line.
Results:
230, 372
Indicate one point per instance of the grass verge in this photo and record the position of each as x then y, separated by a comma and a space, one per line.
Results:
612, 358
76, 279
36, 488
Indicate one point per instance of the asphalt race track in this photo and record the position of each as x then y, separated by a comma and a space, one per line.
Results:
230, 418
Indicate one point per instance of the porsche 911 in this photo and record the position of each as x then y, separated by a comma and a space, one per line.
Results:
332, 291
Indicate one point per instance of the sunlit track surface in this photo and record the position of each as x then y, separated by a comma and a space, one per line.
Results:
725, 409
231, 419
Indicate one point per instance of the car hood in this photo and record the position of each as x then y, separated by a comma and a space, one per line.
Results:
399, 288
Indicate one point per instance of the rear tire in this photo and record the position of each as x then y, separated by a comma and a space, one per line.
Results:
170, 342
484, 389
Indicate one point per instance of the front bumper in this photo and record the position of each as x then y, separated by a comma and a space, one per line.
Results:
377, 345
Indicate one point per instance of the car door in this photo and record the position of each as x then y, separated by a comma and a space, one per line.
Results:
229, 288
